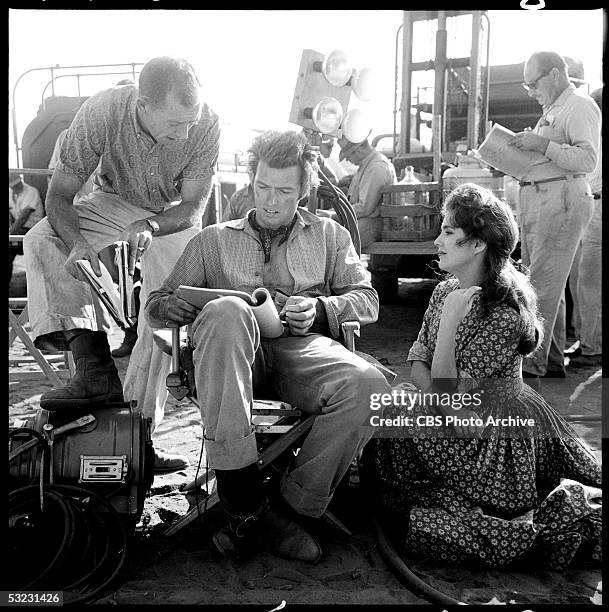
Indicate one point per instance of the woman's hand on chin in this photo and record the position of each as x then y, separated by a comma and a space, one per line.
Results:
458, 303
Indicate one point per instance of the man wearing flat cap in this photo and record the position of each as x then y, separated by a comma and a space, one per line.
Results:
374, 172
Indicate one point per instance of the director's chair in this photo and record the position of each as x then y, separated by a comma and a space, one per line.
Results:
279, 427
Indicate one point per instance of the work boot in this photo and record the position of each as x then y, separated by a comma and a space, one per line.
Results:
126, 347
96, 378
252, 525
243, 502
283, 537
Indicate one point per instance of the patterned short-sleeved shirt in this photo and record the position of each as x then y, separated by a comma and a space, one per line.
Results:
133, 165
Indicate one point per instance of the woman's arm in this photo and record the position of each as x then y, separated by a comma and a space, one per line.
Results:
420, 374
456, 305
443, 366
443, 373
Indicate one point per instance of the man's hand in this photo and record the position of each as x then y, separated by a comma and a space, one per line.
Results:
176, 312
299, 314
529, 141
457, 304
139, 237
82, 250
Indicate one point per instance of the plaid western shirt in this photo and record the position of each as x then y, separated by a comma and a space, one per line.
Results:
133, 165
319, 255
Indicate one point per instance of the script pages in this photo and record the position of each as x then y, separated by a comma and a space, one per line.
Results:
260, 301
118, 302
497, 152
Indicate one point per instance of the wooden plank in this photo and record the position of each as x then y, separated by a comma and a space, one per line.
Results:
30, 359
205, 504
50, 373
23, 321
400, 187
401, 248
62, 375
407, 210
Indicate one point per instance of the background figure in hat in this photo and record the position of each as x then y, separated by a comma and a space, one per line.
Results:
24, 210
374, 172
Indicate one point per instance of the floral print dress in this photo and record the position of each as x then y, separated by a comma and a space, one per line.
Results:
517, 491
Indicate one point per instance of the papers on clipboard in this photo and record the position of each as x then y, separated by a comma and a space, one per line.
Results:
496, 152
119, 303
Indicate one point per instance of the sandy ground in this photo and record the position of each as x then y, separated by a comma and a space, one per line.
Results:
183, 569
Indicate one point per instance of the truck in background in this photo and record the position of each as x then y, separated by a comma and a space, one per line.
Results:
439, 124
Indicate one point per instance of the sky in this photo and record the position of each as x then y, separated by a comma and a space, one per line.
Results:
248, 60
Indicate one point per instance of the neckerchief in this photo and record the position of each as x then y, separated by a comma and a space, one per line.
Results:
267, 235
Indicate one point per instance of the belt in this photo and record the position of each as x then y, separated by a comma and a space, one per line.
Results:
550, 180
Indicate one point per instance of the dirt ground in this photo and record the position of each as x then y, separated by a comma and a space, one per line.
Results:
183, 569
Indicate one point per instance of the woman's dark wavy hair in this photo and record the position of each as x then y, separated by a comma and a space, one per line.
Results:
481, 215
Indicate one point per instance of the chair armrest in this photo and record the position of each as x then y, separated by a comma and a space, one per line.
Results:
349, 330
168, 340
162, 338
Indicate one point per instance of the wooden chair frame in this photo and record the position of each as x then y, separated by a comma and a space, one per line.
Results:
17, 329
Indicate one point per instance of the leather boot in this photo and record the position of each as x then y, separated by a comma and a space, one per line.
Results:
252, 525
126, 347
243, 503
96, 378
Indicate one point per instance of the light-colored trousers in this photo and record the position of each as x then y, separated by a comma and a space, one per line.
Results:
585, 282
313, 373
553, 219
59, 302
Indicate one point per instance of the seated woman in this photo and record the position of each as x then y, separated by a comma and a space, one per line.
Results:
497, 475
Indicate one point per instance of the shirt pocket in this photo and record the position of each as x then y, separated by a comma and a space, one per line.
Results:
307, 260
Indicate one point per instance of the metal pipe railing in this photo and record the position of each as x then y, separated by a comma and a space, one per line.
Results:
52, 70
33, 171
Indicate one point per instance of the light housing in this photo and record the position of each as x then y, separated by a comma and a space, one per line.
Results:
356, 125
310, 92
336, 68
364, 83
327, 115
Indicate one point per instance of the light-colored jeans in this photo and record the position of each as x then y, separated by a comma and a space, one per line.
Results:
58, 302
553, 219
585, 282
313, 373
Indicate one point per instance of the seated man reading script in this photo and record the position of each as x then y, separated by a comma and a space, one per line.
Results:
292, 253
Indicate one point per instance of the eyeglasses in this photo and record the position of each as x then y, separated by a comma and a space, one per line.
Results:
533, 84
